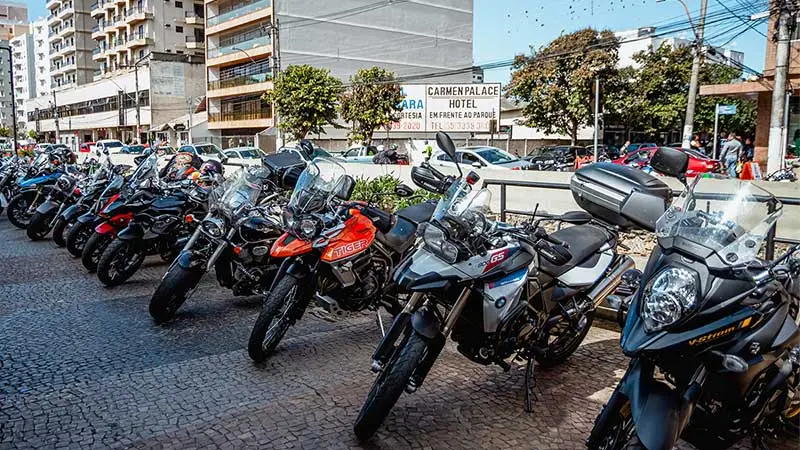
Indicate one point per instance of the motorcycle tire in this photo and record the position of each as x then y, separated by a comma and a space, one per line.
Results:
172, 292
280, 303
77, 237
120, 260
16, 209
557, 352
388, 386
93, 250
38, 226
620, 435
60, 232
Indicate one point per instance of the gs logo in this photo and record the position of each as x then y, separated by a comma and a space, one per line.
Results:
496, 259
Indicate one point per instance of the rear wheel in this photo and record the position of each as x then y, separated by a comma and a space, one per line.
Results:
38, 226
60, 231
277, 315
388, 386
77, 236
120, 260
172, 292
563, 339
18, 207
95, 246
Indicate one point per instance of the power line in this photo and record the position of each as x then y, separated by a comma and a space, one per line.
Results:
744, 21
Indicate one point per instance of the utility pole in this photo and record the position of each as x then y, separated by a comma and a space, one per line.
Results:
688, 124
13, 101
135, 67
716, 131
55, 117
596, 117
777, 117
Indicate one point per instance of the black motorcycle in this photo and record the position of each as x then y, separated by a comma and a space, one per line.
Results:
712, 332
11, 170
501, 292
234, 238
64, 194
160, 228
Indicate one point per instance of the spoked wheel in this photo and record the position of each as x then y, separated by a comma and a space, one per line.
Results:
621, 435
18, 209
120, 260
277, 315
563, 339
389, 385
77, 236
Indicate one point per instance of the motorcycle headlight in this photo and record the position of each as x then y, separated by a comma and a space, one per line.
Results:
213, 227
436, 241
305, 228
668, 297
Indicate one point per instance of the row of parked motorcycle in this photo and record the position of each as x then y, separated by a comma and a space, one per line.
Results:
711, 328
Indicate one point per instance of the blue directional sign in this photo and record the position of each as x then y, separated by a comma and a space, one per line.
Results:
726, 110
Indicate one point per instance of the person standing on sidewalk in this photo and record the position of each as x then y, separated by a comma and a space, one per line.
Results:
731, 152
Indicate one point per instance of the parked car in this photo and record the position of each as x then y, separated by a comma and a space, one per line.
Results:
634, 147
698, 163
135, 149
481, 157
87, 147
607, 150
318, 152
205, 151
112, 145
363, 154
244, 155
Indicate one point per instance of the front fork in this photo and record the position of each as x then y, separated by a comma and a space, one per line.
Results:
221, 248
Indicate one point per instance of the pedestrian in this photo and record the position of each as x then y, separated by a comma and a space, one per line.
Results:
428, 151
731, 152
695, 143
624, 150
749, 149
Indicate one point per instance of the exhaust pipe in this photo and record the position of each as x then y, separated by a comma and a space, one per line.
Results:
609, 284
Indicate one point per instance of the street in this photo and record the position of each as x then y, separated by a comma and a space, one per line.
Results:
83, 366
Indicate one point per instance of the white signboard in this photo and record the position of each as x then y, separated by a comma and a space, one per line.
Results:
449, 107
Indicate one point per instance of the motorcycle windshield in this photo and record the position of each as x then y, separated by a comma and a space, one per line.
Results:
41, 161
147, 169
732, 220
317, 184
461, 200
239, 191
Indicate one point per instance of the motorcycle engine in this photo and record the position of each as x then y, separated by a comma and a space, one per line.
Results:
360, 280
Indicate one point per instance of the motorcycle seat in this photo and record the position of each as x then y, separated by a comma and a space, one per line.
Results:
400, 237
418, 213
583, 241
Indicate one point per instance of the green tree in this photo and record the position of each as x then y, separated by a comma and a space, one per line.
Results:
556, 81
372, 102
5, 131
305, 99
32, 134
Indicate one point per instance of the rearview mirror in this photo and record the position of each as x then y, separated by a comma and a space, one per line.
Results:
477, 165
670, 162
345, 188
403, 191
446, 144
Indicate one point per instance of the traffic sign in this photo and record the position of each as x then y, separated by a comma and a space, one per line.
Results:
726, 110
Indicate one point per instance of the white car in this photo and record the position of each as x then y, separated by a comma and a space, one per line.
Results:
478, 157
112, 145
244, 155
205, 151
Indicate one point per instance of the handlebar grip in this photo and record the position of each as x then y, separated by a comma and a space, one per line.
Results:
556, 241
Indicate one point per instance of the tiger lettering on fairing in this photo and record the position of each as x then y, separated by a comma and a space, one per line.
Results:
349, 249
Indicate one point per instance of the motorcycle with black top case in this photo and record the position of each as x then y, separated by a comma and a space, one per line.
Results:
501, 292
712, 332
337, 252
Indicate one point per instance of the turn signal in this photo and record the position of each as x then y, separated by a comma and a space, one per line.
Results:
189, 218
237, 250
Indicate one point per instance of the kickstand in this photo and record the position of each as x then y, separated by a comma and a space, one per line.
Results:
759, 442
380, 323
530, 384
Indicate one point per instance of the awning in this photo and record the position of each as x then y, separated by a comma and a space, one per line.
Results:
747, 89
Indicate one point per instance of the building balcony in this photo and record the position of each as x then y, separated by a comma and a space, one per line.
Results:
69, 66
235, 51
138, 14
245, 12
53, 20
139, 40
97, 9
119, 22
195, 43
55, 57
109, 5
192, 18
98, 33
51, 4
245, 84
98, 54
55, 37
228, 120
66, 11
57, 71
68, 29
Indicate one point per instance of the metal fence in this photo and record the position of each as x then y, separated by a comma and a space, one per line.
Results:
771, 240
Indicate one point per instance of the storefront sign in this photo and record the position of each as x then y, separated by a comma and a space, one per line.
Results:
449, 107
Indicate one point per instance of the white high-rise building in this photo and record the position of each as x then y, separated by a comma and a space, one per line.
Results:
24, 83
645, 38
41, 50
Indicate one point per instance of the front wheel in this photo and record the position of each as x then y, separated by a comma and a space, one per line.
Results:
563, 339
620, 434
388, 386
77, 236
93, 249
172, 292
120, 261
18, 208
277, 315
60, 232
38, 226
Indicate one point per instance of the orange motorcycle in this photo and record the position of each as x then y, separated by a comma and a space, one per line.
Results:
338, 252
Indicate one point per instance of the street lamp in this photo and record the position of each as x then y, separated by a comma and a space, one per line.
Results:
13, 99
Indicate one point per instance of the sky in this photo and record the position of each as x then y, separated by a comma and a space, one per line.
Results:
504, 28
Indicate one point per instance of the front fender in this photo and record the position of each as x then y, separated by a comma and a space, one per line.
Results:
73, 212
659, 412
87, 217
105, 228
192, 260
425, 323
133, 231
47, 208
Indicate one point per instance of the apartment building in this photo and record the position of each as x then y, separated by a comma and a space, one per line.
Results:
343, 36
24, 74
126, 31
106, 108
646, 38
69, 25
13, 19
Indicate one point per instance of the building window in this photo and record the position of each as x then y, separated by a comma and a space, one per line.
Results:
179, 4
178, 29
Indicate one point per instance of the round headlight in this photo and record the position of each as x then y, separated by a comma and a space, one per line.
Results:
213, 227
667, 297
